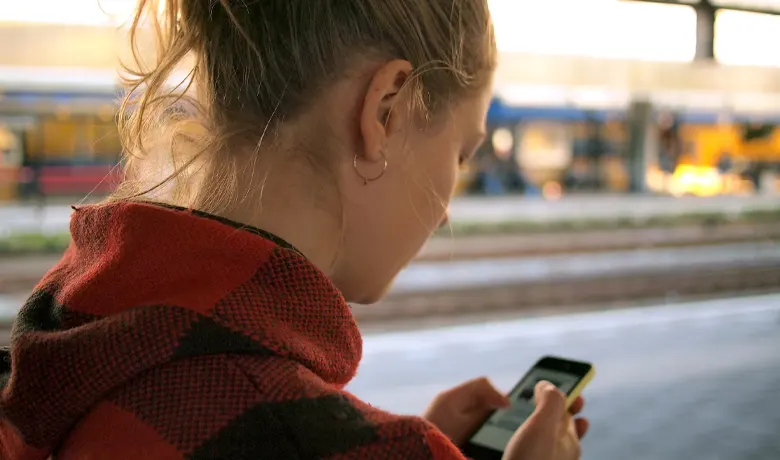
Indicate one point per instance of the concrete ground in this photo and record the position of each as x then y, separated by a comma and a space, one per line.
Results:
677, 382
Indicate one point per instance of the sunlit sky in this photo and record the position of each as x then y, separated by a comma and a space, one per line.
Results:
596, 28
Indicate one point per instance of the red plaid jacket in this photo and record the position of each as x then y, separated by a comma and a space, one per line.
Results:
167, 334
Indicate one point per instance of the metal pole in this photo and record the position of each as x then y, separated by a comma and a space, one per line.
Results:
705, 31
640, 141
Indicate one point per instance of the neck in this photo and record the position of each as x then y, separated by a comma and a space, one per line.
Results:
310, 230
275, 189
290, 203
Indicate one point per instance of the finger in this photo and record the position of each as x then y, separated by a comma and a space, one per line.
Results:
581, 425
577, 405
550, 404
546, 424
568, 425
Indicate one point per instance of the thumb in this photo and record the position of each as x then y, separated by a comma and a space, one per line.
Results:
550, 405
538, 437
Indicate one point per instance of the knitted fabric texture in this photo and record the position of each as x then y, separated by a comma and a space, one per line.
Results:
166, 334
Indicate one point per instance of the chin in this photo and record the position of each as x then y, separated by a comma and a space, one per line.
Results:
376, 291
371, 297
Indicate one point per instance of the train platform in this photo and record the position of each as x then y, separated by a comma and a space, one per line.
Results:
54, 218
698, 380
675, 381
424, 277
602, 207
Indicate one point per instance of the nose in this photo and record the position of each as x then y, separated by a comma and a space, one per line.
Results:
445, 220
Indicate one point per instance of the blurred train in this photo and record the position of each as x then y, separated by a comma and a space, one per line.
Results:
691, 145
58, 137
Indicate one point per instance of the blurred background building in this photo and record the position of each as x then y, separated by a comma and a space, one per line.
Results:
573, 74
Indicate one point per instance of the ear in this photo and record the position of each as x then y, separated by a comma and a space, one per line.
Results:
380, 115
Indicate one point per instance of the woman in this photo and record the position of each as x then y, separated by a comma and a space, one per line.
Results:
201, 312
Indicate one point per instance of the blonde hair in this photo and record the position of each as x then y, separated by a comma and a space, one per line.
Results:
256, 65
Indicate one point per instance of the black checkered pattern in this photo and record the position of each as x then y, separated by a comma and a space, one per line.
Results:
180, 337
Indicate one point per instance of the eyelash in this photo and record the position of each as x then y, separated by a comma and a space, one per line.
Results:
464, 158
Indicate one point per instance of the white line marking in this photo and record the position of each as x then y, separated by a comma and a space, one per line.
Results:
483, 334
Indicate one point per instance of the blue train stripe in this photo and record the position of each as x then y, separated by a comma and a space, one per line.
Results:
500, 113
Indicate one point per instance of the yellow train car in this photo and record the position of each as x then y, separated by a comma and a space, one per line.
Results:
725, 158
706, 145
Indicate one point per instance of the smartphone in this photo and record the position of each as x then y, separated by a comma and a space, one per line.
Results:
491, 438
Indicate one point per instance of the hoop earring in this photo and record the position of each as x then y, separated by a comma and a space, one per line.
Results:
366, 180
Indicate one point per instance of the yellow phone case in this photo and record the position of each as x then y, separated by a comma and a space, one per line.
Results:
577, 390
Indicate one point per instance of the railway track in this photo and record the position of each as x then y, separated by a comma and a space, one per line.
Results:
437, 292
559, 295
575, 293
444, 248
20, 274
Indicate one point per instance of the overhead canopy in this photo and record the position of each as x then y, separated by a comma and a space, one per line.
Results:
83, 33
758, 6
754, 6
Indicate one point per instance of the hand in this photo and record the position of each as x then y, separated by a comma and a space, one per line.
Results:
458, 412
551, 433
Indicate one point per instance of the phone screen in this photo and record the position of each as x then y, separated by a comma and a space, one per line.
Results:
496, 432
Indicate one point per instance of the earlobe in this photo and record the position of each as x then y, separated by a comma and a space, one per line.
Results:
380, 115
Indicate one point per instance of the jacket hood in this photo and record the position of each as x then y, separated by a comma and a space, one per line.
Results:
144, 284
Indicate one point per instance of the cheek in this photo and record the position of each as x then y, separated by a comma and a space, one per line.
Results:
449, 171
443, 177
434, 173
